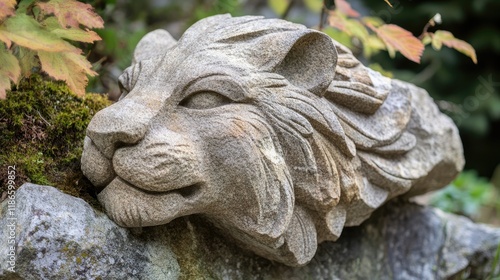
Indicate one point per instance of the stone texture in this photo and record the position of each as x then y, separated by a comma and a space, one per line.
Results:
273, 132
62, 237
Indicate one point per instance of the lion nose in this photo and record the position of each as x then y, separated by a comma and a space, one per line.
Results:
123, 123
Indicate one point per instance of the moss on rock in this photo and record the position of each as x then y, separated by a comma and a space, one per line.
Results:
43, 126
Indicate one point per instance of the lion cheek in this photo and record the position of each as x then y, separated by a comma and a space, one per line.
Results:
158, 165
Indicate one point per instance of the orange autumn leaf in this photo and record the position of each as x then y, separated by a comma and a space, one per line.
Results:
67, 66
337, 20
27, 32
7, 8
399, 39
40, 41
10, 70
345, 8
446, 38
71, 13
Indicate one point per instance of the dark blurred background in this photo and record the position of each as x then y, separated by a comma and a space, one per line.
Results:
467, 92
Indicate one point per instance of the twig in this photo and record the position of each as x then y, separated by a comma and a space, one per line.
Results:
427, 73
426, 27
322, 18
288, 8
43, 118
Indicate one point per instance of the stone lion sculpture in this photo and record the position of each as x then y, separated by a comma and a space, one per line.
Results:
272, 131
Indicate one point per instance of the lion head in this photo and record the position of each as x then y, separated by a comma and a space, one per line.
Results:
272, 131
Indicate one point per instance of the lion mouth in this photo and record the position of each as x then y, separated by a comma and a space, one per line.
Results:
187, 192
131, 206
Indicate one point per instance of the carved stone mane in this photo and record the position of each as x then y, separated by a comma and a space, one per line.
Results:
272, 131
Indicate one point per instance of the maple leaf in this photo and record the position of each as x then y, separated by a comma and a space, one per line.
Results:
5, 39
27, 61
345, 8
69, 67
7, 8
337, 20
74, 34
442, 37
351, 27
373, 21
71, 13
399, 39
10, 70
4, 85
372, 45
27, 32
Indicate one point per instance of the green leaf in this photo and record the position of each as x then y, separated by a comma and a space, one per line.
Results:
391, 51
427, 39
50, 23
352, 27
442, 37
10, 65
4, 86
372, 45
7, 8
278, 6
373, 21
436, 43
71, 13
5, 39
27, 32
339, 36
10, 70
69, 67
27, 60
72, 33
75, 34
357, 29
23, 6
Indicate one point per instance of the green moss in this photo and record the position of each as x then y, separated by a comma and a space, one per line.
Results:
43, 126
185, 246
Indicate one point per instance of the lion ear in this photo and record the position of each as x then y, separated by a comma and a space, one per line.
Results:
155, 43
310, 62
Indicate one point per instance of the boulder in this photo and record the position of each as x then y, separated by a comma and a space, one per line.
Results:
57, 236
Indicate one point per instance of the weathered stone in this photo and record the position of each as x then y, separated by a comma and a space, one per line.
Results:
58, 236
62, 237
272, 131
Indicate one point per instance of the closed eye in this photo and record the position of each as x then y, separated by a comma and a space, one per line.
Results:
123, 90
205, 100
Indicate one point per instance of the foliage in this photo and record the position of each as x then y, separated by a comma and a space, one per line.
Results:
468, 93
35, 36
43, 126
214, 7
466, 195
441, 37
375, 35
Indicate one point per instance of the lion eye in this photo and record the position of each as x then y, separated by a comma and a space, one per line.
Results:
204, 100
123, 90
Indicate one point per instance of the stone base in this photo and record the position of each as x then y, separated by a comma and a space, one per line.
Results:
58, 236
